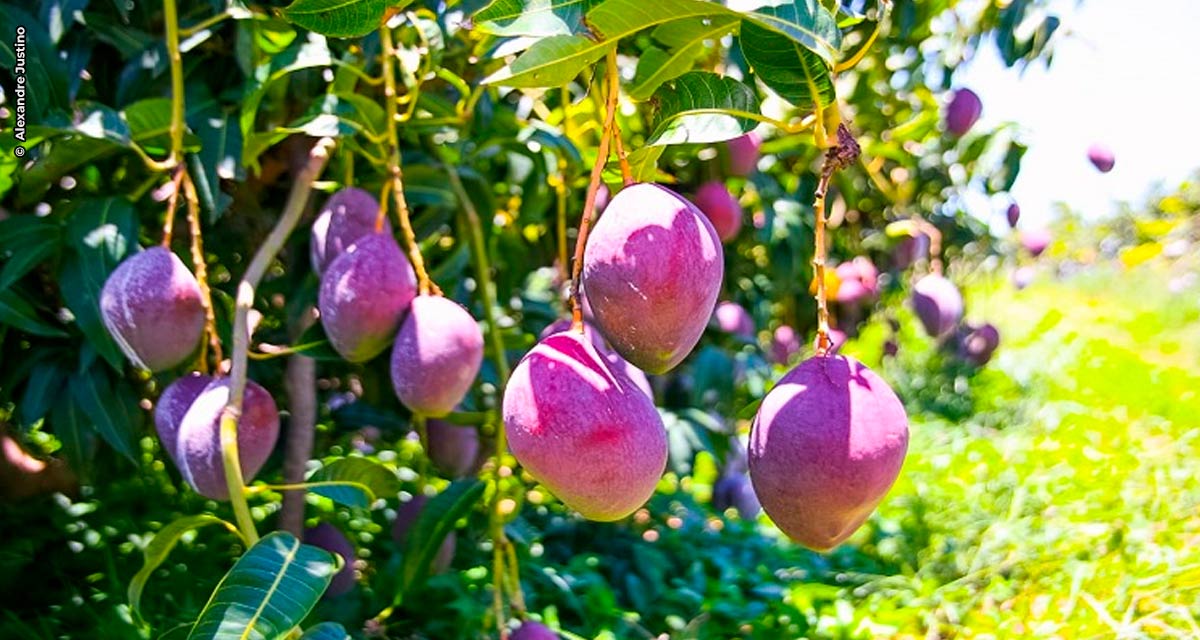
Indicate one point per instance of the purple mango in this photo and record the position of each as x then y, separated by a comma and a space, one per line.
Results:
1035, 241
453, 448
1101, 157
1013, 214
652, 270
743, 154
938, 304
198, 449
732, 318
172, 405
347, 216
437, 355
963, 111
826, 446
785, 344
734, 490
977, 343
406, 516
364, 295
151, 305
533, 630
330, 538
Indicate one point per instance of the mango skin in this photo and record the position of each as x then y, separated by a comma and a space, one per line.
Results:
963, 111
583, 428
151, 305
977, 343
364, 296
198, 450
938, 304
743, 154
437, 355
347, 216
826, 446
1035, 241
858, 281
714, 200
172, 405
406, 516
652, 271
453, 448
1013, 215
593, 335
330, 538
533, 630
785, 344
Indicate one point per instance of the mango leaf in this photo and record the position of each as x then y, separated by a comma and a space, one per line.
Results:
643, 164
684, 40
160, 546
804, 22
45, 71
340, 18
789, 69
100, 233
94, 132
31, 242
539, 18
326, 631
73, 431
43, 387
18, 312
703, 107
550, 62
306, 54
111, 408
354, 482
268, 591
435, 522
149, 124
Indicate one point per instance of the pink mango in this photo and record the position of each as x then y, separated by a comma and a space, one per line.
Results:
652, 270
743, 154
172, 405
453, 448
1035, 241
714, 200
826, 446
406, 516
330, 538
583, 428
533, 630
938, 304
732, 318
1101, 157
437, 355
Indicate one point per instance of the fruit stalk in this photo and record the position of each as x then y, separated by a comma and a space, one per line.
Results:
589, 208
172, 202
301, 188
424, 284
613, 76
843, 153
201, 269
175, 60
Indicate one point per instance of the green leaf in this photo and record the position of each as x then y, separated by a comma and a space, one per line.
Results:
804, 22
550, 62
643, 164
538, 18
684, 40
326, 631
789, 69
73, 431
95, 131
354, 482
149, 124
159, 547
112, 409
307, 54
268, 592
435, 522
39, 239
703, 107
340, 18
18, 312
43, 387
100, 233
45, 71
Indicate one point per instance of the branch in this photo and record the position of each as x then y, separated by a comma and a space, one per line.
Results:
297, 199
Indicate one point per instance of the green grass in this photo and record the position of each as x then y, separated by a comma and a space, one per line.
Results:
1068, 505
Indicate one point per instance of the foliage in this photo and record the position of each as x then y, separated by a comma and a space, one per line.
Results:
507, 99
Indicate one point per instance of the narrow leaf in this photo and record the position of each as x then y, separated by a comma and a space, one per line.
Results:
18, 312
703, 107
111, 408
326, 631
340, 18
268, 592
684, 40
38, 242
550, 62
160, 546
794, 72
354, 482
432, 526
539, 18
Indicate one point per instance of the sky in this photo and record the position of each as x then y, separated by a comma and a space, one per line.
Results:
1126, 74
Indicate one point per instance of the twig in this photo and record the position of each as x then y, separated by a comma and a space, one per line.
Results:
614, 92
424, 283
845, 152
172, 203
300, 382
301, 188
201, 268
